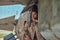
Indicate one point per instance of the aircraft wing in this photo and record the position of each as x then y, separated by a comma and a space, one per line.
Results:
7, 2
7, 23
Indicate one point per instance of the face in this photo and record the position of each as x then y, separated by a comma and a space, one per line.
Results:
34, 15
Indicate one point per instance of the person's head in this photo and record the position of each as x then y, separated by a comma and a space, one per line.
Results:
35, 12
34, 15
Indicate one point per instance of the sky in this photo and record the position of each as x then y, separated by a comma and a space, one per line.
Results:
10, 10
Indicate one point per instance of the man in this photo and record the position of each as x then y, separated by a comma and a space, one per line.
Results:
34, 31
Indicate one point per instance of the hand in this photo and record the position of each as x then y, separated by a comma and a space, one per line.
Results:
27, 37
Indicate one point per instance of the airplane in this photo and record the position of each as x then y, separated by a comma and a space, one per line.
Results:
51, 7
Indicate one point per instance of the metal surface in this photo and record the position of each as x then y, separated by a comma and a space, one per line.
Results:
7, 23
8, 2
